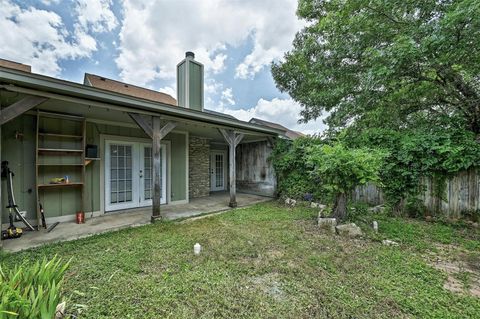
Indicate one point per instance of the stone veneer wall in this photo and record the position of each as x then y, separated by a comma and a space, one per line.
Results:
198, 167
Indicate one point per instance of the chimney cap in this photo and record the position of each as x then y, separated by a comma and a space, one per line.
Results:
189, 54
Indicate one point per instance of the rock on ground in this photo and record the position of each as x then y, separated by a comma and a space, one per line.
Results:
349, 230
376, 209
290, 202
327, 224
317, 205
388, 242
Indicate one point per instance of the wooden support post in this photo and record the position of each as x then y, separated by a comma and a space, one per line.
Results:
158, 133
20, 107
152, 126
144, 121
233, 139
157, 191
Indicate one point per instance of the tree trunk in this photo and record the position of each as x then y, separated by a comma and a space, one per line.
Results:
340, 207
399, 208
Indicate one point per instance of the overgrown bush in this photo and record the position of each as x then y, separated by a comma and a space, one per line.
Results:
31, 291
293, 172
414, 154
411, 155
341, 169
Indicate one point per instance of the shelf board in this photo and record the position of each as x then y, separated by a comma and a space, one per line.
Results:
58, 150
60, 116
79, 137
60, 185
88, 160
58, 164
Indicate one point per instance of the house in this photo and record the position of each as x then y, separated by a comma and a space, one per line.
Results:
123, 147
289, 134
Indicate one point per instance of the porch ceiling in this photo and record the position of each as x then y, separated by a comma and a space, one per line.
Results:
122, 119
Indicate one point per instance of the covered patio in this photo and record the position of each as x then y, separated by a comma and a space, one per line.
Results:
67, 231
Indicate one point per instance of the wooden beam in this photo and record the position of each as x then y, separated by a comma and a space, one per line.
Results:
167, 128
225, 135
158, 133
157, 190
270, 141
233, 139
20, 107
238, 138
144, 121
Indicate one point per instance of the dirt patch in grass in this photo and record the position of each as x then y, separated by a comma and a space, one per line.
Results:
461, 267
270, 285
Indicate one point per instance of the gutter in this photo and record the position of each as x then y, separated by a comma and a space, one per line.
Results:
35, 84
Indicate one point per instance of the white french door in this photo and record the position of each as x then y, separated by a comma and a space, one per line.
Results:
129, 175
146, 174
218, 171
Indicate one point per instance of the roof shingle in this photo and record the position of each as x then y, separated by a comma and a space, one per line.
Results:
127, 89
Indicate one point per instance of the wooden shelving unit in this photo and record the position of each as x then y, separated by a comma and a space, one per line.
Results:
88, 160
61, 135
60, 151
59, 185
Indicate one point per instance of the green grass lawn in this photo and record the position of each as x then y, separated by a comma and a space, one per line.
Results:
268, 262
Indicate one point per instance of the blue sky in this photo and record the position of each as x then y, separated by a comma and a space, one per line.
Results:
141, 41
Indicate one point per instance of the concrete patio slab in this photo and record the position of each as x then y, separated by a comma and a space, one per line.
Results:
216, 202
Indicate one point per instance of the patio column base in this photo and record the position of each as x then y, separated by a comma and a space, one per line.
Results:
232, 204
154, 219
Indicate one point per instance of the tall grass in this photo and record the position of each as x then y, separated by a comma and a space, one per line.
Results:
31, 291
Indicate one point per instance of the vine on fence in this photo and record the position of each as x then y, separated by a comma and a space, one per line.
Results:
410, 155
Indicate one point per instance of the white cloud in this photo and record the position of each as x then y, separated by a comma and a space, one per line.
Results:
95, 15
39, 38
155, 35
282, 111
227, 99
170, 90
49, 2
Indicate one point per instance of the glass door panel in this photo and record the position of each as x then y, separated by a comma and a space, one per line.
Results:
120, 187
218, 171
146, 175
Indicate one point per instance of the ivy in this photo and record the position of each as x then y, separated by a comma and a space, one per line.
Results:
409, 156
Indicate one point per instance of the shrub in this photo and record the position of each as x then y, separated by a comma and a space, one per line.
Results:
341, 169
293, 172
31, 291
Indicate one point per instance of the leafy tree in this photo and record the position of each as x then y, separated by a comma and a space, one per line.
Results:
386, 63
341, 169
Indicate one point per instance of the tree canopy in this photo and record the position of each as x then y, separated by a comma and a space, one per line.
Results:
386, 63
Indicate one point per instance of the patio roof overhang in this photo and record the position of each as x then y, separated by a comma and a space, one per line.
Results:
48, 87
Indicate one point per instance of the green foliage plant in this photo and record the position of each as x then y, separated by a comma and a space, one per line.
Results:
341, 169
292, 170
31, 291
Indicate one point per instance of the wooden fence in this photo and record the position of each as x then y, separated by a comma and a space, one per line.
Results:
462, 194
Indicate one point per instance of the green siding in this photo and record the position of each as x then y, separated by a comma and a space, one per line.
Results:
178, 166
20, 153
181, 85
59, 202
196, 86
